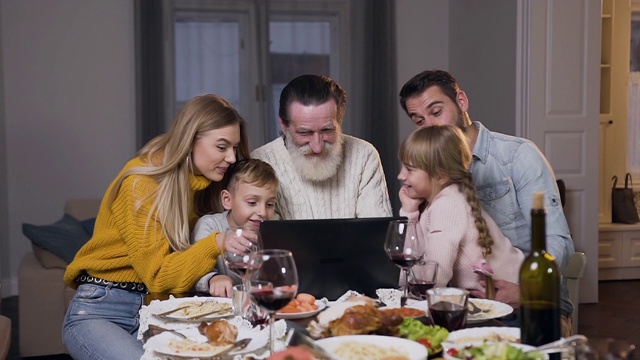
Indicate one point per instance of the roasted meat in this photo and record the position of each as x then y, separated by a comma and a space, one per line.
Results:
219, 332
364, 319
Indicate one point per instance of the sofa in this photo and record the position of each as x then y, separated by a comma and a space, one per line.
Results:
43, 296
5, 335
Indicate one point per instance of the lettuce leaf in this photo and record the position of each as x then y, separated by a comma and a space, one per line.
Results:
415, 330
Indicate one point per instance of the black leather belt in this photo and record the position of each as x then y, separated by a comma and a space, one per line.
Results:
128, 286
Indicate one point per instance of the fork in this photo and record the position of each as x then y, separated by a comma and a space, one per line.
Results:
473, 309
155, 329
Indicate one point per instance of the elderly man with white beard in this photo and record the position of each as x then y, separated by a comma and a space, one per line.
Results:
323, 173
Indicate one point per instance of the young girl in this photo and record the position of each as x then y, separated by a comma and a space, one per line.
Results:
141, 242
437, 192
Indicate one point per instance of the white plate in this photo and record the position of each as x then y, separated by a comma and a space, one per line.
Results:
497, 309
478, 335
412, 349
160, 343
166, 305
301, 315
521, 346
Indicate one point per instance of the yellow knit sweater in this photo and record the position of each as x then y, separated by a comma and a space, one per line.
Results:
123, 248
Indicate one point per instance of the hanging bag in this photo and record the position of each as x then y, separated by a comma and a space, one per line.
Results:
623, 208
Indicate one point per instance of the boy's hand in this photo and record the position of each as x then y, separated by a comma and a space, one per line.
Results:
221, 286
409, 204
239, 242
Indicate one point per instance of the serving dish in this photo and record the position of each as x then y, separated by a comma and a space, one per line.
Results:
305, 314
411, 349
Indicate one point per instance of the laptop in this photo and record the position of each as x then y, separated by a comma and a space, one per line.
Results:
335, 255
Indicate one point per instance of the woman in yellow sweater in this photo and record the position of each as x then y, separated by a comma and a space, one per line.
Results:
141, 237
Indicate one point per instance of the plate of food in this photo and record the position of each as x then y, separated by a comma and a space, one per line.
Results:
494, 350
489, 309
405, 311
205, 341
192, 309
303, 306
373, 347
480, 335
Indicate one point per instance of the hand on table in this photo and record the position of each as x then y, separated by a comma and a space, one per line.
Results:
221, 286
506, 292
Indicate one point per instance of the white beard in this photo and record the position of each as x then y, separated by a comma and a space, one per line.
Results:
318, 167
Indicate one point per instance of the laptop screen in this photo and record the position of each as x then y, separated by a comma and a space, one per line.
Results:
335, 255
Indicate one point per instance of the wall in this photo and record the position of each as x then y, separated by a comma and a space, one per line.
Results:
491, 73
427, 48
69, 110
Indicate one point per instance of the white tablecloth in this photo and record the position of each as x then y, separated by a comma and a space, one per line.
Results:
244, 327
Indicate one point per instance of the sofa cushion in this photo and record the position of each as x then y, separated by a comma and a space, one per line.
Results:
63, 238
47, 259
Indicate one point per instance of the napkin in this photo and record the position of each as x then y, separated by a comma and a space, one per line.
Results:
390, 297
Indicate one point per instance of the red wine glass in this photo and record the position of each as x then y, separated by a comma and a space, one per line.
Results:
272, 280
237, 262
402, 247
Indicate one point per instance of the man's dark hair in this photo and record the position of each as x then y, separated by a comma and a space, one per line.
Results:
426, 79
311, 90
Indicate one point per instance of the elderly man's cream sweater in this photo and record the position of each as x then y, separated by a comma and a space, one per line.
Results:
359, 188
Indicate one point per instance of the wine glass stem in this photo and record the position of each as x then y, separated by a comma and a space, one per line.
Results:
272, 340
406, 283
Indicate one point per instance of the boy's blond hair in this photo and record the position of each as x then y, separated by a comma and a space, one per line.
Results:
253, 172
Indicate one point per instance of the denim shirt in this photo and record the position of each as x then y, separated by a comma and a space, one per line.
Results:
506, 171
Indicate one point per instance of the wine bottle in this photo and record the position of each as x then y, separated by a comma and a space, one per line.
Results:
539, 286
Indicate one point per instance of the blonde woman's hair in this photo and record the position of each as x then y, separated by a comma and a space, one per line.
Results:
253, 172
443, 151
168, 160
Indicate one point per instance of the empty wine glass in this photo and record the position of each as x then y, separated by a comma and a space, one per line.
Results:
402, 247
237, 261
272, 280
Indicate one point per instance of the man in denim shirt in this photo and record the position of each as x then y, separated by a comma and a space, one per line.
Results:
506, 171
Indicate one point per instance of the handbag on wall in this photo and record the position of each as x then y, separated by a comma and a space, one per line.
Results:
623, 208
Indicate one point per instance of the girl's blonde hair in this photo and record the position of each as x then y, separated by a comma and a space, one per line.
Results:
168, 160
443, 151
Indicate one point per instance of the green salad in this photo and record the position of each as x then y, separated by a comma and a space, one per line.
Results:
430, 336
494, 351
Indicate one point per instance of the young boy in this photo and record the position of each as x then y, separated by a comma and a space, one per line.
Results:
249, 198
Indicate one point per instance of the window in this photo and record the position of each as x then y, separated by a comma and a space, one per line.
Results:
219, 48
635, 41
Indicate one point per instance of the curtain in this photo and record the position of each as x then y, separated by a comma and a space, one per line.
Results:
633, 131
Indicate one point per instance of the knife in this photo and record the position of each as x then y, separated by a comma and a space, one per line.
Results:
217, 311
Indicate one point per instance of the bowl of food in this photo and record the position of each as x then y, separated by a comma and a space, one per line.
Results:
494, 350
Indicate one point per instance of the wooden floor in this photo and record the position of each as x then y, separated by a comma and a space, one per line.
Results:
616, 315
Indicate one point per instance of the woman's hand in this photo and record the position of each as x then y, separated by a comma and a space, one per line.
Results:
221, 286
409, 204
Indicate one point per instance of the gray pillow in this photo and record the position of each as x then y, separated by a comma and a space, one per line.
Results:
63, 238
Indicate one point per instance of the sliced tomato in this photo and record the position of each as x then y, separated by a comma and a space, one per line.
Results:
426, 343
453, 352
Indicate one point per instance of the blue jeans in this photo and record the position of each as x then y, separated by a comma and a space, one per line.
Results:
102, 323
